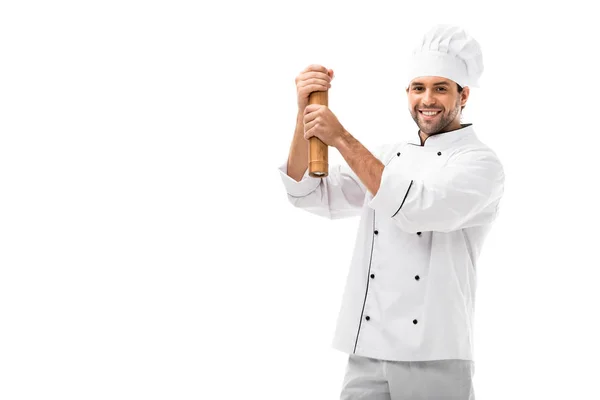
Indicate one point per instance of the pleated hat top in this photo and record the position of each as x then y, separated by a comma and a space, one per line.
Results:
447, 51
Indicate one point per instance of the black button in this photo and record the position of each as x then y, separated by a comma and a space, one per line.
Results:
417, 277
376, 232
367, 318
372, 276
414, 321
439, 153
419, 233
398, 154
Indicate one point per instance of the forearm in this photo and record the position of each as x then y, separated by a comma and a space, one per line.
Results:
364, 164
298, 157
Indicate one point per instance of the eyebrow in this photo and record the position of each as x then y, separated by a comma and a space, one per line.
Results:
435, 84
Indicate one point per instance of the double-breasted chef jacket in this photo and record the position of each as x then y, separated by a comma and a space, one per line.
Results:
410, 291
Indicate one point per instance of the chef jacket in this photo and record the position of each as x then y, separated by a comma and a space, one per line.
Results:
410, 290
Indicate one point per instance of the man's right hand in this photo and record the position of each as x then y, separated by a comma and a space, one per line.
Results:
314, 78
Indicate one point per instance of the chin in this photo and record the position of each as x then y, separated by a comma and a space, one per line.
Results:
429, 133
428, 129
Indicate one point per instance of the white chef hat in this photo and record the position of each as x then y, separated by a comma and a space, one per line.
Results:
447, 51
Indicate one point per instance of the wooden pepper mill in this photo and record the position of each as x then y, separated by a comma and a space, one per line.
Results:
318, 164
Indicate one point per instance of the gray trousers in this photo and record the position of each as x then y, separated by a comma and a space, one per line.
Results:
372, 379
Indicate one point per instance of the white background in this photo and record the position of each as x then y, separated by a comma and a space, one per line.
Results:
147, 246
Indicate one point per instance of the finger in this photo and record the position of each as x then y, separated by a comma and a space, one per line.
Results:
315, 67
311, 123
311, 108
309, 76
307, 90
312, 88
318, 75
320, 79
308, 126
314, 81
309, 118
309, 133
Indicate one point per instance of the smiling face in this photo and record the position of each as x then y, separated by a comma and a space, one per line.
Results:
435, 103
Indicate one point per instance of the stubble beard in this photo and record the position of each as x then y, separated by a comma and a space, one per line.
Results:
438, 125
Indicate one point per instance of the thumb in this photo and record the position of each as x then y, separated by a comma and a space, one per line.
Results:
330, 73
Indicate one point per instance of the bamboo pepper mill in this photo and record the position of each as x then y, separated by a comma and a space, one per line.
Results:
318, 164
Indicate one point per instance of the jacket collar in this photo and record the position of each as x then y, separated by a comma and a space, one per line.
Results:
445, 139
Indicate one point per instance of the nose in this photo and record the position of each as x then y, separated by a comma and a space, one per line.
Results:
428, 98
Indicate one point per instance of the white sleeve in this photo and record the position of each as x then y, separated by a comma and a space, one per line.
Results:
340, 194
465, 192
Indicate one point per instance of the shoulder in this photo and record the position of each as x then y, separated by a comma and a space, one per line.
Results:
472, 148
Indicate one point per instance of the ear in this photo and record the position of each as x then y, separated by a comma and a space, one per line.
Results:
464, 96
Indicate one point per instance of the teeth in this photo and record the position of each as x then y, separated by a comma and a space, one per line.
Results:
430, 113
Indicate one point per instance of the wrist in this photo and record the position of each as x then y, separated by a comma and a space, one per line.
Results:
343, 140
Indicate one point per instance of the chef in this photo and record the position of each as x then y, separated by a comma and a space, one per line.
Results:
425, 208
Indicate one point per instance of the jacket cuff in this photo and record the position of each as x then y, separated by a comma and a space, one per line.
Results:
298, 189
392, 193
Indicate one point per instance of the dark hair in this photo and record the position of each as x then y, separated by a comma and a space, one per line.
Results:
460, 89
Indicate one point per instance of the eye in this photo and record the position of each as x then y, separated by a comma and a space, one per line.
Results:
441, 89
417, 88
